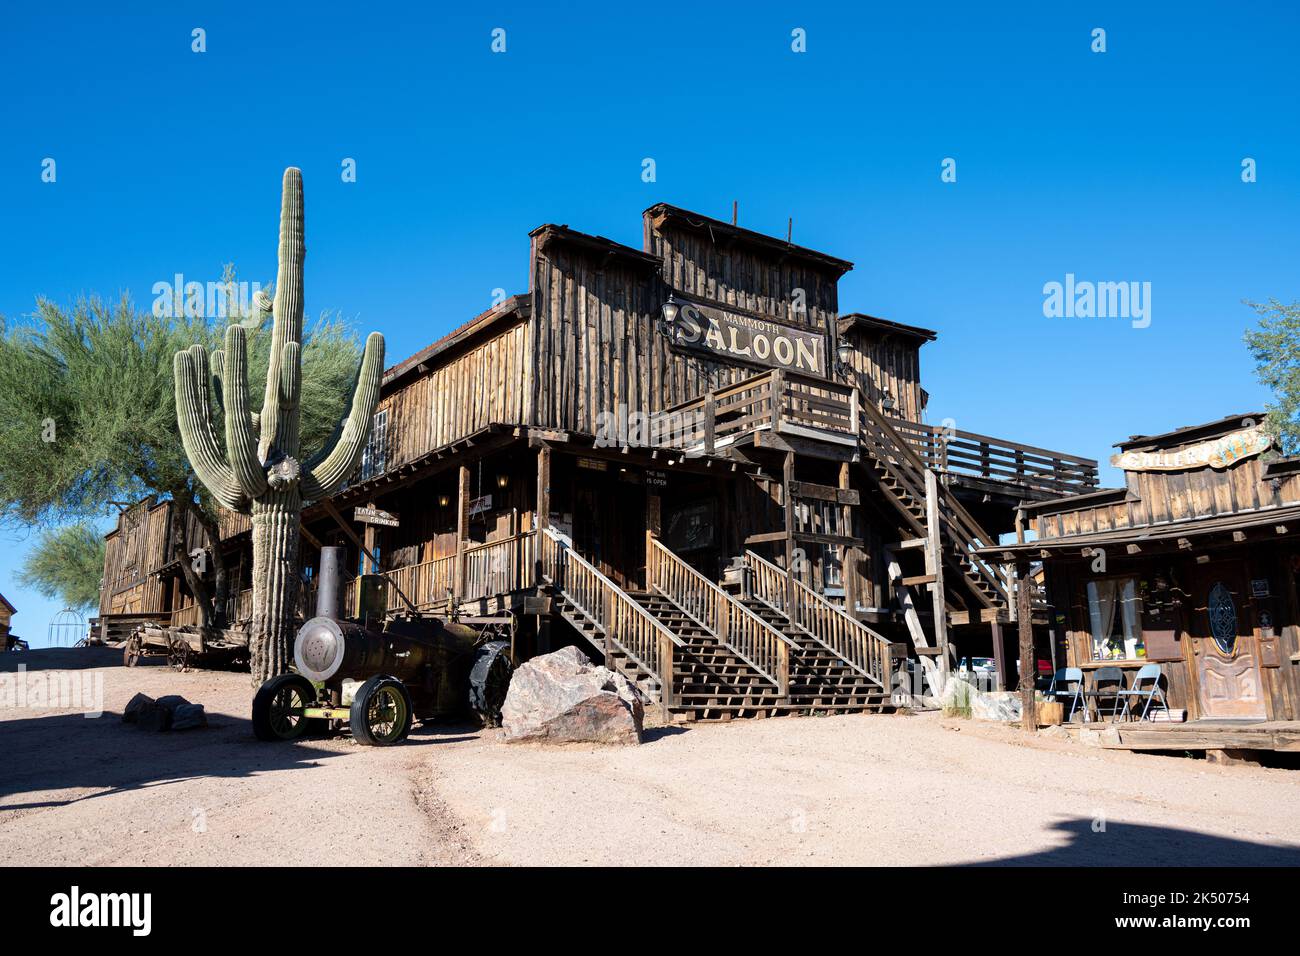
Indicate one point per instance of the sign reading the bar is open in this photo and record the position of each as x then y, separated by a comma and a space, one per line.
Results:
745, 338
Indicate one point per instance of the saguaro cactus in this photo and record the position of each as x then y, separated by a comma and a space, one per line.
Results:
261, 475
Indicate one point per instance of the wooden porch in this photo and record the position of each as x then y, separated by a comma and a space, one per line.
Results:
1231, 735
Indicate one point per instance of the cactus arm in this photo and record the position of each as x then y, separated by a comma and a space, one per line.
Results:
326, 473
193, 416
241, 443
279, 430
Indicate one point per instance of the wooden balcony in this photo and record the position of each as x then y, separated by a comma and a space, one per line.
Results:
776, 403
970, 457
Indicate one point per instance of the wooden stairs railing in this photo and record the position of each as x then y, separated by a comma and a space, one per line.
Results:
749, 637
628, 629
902, 476
854, 643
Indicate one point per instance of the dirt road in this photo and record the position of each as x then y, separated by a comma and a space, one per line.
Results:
835, 790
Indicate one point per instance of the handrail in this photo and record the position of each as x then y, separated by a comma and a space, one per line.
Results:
998, 459
755, 641
624, 622
963, 528
862, 648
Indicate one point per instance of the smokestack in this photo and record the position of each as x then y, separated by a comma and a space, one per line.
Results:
327, 583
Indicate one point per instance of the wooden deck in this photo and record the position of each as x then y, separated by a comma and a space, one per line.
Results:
1283, 735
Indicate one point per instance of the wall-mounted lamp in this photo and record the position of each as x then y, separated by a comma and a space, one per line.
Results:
502, 481
843, 354
668, 318
886, 400
444, 500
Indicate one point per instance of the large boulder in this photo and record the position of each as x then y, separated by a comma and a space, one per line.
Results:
562, 697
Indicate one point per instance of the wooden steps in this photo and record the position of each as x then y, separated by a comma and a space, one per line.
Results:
819, 680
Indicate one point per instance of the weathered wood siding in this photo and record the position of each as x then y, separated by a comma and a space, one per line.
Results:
595, 316
483, 384
133, 552
882, 360
755, 280
1157, 497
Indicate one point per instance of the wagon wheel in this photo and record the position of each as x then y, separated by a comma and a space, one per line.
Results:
179, 655
131, 651
381, 712
278, 706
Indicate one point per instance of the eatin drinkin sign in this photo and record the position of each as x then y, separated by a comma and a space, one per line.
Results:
745, 338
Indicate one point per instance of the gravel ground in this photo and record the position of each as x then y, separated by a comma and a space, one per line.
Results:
834, 790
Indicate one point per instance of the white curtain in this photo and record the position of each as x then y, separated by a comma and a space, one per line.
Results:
1101, 609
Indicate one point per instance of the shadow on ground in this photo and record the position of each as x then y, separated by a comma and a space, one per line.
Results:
70, 752
1131, 844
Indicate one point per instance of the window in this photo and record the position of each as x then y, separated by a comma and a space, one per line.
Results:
1115, 615
374, 460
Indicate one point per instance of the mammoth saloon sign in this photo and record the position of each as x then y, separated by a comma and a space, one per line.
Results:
1221, 452
745, 338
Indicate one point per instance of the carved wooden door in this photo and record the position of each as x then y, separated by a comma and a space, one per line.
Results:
1224, 645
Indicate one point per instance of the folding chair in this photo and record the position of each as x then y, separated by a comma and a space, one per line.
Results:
1106, 684
1147, 672
1067, 676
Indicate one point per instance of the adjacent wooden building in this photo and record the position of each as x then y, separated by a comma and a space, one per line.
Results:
1192, 565
685, 458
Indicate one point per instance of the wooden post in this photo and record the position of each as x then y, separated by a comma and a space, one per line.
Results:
543, 514
787, 477
999, 656
372, 567
462, 531
849, 554
1028, 666
934, 562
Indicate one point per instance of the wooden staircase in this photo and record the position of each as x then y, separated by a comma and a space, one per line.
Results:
942, 530
705, 654
820, 681
713, 682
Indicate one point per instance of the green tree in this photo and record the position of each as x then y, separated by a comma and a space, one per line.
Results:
66, 563
1275, 346
87, 398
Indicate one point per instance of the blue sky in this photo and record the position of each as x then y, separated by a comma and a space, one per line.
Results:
1115, 166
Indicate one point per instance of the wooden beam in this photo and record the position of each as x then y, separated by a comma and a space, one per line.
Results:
462, 529
1028, 665
934, 567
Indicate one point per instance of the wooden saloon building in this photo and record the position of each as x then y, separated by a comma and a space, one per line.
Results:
1191, 565
684, 458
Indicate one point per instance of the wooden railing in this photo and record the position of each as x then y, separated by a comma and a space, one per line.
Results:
497, 567
907, 468
780, 401
624, 623
847, 638
758, 643
949, 451
186, 616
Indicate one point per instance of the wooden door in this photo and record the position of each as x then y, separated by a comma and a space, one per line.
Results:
1224, 646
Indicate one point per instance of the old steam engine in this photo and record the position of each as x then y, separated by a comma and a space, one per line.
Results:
379, 681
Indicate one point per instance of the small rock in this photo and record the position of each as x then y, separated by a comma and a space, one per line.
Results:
189, 716
136, 706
